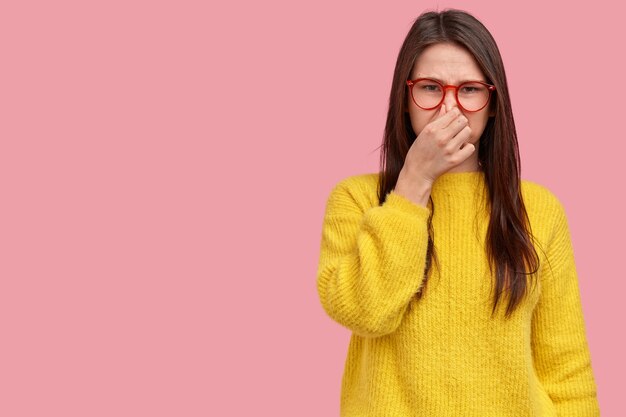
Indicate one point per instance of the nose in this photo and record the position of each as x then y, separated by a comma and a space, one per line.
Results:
449, 99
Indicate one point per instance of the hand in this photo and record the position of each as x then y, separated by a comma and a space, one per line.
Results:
440, 146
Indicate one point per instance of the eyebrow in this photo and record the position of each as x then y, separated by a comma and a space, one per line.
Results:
443, 82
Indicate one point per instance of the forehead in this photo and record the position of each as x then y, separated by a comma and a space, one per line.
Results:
447, 62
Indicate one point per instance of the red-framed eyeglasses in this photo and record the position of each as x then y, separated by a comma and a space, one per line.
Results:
471, 96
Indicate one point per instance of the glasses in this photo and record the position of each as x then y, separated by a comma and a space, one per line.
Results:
471, 95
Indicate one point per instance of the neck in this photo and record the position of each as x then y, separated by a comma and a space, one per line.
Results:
470, 164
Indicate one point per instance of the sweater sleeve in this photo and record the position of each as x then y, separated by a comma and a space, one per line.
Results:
560, 350
371, 260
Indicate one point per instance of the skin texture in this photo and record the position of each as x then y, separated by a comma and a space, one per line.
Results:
447, 136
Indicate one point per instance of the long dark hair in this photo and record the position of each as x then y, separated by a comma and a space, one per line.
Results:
508, 240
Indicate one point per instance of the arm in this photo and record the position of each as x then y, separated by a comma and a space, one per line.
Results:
560, 350
371, 263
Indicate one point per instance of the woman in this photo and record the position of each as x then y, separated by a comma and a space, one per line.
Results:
456, 277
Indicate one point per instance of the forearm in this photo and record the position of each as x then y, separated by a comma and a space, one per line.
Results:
371, 267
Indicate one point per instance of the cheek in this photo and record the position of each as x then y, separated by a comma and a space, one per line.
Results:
419, 120
477, 123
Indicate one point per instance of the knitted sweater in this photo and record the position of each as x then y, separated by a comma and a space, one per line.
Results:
443, 354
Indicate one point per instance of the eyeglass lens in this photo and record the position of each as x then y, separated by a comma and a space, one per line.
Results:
472, 96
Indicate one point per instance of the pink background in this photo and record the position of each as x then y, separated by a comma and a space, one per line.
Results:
164, 168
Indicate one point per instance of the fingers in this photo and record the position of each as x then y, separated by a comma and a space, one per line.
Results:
445, 118
453, 126
460, 136
442, 111
467, 150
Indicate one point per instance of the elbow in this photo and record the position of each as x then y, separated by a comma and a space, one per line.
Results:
364, 323
376, 329
365, 319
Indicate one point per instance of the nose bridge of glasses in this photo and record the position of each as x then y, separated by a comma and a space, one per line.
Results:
452, 101
450, 87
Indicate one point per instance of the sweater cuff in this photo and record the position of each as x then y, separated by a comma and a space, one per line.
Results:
402, 203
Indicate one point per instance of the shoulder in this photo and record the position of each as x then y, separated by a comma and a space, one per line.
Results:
356, 192
361, 182
539, 197
545, 209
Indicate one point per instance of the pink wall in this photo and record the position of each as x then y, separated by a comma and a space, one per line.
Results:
164, 170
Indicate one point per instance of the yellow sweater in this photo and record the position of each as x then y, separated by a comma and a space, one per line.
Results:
443, 355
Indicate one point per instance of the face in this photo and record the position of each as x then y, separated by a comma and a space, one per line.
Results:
450, 64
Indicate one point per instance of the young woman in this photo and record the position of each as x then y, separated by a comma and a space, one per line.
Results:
456, 277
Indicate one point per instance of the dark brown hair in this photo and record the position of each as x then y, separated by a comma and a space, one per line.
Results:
508, 240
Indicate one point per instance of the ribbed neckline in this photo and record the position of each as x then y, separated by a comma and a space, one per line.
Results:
468, 183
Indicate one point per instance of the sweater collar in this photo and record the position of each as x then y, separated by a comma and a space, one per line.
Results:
465, 185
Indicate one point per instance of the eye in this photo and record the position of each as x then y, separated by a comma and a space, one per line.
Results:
429, 87
473, 88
